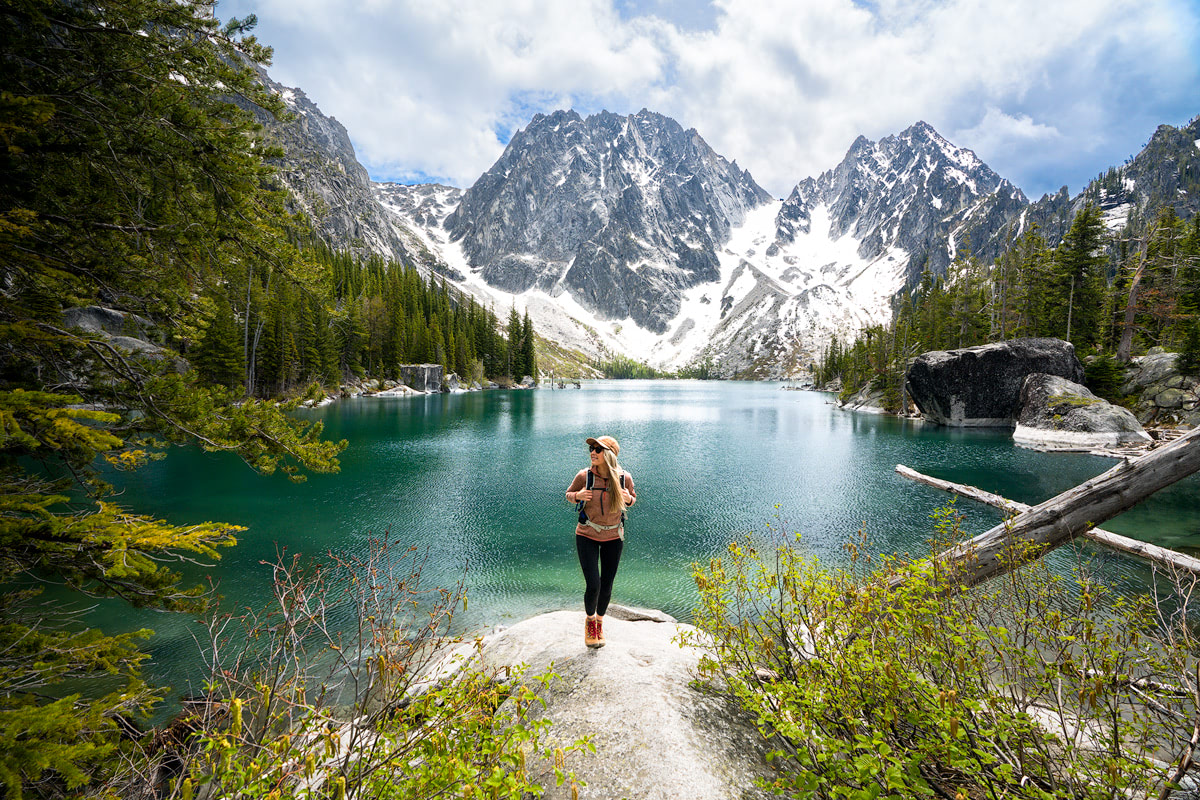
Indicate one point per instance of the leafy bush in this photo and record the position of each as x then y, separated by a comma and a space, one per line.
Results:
890, 681
395, 707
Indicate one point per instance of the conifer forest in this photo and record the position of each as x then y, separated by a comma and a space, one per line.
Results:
134, 180
1113, 296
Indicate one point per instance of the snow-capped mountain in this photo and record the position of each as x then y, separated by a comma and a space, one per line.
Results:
624, 214
914, 191
845, 243
630, 235
421, 210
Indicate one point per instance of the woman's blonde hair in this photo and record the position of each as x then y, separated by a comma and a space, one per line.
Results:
614, 480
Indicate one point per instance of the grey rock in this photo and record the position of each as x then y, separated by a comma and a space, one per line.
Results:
127, 332
528, 382
1058, 414
422, 377
1154, 368
1162, 396
1170, 398
632, 614
981, 386
624, 213
865, 399
451, 383
96, 319
656, 736
326, 182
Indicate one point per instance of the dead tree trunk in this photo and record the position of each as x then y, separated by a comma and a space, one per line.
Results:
1125, 347
1159, 555
1033, 533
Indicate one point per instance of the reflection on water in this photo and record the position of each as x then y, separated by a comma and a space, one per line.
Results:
478, 479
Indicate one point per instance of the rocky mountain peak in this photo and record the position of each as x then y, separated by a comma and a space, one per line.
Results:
904, 191
324, 178
1165, 173
624, 213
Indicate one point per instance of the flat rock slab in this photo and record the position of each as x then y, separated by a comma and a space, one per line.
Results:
656, 737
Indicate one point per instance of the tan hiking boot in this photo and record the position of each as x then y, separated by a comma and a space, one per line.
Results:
600, 640
591, 632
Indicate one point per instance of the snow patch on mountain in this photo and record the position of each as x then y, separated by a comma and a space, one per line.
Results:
769, 308
781, 278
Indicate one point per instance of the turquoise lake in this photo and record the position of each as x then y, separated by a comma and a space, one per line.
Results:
479, 478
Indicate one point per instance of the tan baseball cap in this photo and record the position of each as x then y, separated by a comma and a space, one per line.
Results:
608, 443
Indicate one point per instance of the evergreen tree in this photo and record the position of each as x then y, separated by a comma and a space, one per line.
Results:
528, 351
1077, 288
513, 363
219, 357
131, 178
1189, 356
351, 334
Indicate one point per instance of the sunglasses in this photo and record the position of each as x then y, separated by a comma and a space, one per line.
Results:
595, 448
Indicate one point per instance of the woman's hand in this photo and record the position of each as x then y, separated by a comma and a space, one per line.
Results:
627, 497
584, 494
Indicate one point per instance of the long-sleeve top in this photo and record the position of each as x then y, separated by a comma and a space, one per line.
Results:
599, 509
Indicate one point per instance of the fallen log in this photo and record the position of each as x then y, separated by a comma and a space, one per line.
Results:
1033, 533
1114, 541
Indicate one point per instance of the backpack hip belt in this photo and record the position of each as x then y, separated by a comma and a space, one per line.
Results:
591, 524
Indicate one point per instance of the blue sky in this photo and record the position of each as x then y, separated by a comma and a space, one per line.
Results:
1047, 93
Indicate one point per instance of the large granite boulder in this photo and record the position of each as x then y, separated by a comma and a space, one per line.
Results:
97, 319
981, 386
1057, 414
657, 737
127, 332
422, 377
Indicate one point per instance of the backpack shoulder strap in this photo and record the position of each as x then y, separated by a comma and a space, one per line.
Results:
591, 478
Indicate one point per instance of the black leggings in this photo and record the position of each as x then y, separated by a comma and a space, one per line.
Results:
599, 561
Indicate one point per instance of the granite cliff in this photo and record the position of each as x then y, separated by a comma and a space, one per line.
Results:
622, 213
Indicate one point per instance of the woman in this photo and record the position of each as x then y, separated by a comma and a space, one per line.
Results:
605, 491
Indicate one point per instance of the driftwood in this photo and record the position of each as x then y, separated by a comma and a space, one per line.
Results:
1114, 541
1060, 519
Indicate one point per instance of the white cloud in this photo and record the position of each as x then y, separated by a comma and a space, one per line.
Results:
783, 87
998, 132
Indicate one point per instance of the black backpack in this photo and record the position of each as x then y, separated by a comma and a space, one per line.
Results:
579, 505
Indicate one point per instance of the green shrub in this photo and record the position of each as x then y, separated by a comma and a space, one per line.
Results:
302, 707
1035, 686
